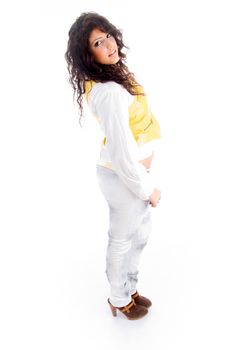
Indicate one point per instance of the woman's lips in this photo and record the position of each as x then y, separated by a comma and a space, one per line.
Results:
113, 53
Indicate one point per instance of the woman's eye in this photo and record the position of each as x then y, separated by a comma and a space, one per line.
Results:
97, 43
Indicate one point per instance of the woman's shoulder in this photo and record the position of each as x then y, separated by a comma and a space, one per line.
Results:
108, 87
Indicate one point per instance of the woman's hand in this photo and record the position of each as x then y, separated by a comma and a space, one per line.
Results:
155, 197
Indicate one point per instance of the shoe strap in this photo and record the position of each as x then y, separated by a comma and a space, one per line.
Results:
128, 307
135, 295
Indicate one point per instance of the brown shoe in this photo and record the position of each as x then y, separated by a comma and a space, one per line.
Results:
140, 300
132, 311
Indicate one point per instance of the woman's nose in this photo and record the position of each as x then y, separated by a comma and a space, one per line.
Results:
110, 44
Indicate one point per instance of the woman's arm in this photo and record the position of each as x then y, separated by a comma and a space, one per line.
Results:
110, 104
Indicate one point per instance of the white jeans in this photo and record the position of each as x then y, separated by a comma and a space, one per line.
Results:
129, 228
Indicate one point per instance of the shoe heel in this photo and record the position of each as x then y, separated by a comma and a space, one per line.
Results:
113, 309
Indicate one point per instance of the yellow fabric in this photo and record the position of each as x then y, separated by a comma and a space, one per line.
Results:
142, 122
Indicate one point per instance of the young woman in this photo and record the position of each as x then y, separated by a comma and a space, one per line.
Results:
97, 69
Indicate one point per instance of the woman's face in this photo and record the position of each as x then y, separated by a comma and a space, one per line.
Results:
103, 47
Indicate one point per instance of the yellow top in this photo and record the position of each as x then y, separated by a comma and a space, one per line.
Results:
142, 122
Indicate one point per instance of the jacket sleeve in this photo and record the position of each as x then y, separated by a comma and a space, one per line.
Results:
111, 107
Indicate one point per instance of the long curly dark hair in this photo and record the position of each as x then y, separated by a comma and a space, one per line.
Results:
81, 64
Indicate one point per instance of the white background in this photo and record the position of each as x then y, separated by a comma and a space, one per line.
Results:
53, 217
